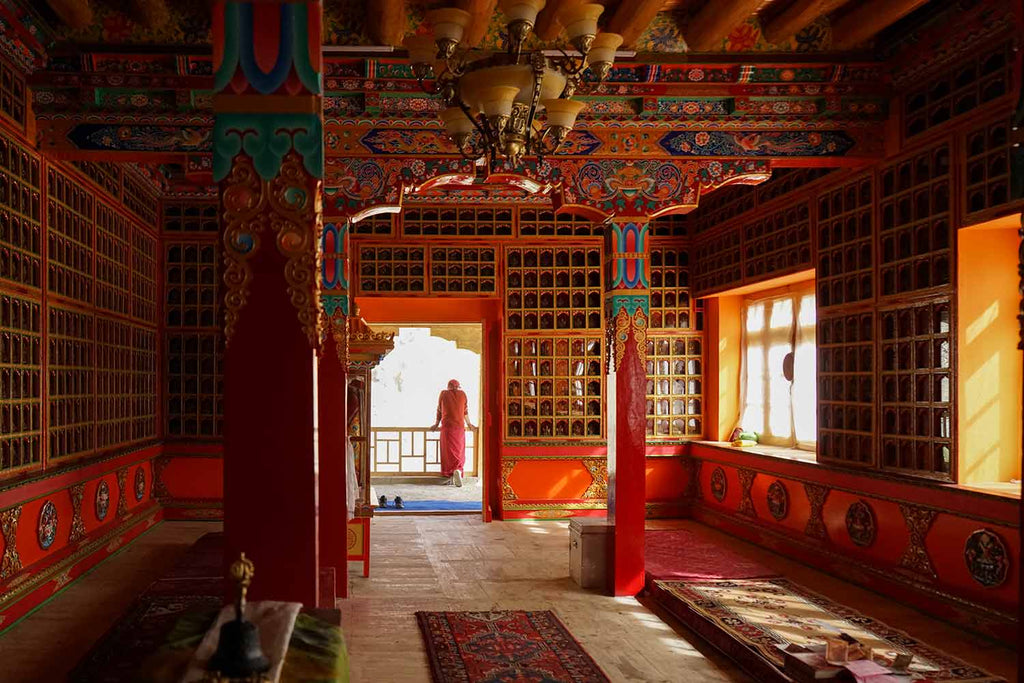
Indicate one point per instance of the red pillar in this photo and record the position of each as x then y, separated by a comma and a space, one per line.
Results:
268, 163
627, 302
332, 394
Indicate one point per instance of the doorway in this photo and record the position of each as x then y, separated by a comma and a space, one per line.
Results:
404, 452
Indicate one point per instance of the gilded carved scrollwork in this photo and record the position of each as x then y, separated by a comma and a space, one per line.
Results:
598, 469
122, 498
11, 562
159, 485
288, 205
746, 500
627, 324
507, 493
816, 495
915, 556
77, 493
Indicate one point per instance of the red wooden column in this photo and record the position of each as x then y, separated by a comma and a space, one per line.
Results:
627, 304
268, 162
332, 382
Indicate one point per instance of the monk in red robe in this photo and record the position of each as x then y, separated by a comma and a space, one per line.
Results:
453, 418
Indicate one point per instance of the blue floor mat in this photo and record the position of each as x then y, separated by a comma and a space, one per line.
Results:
432, 505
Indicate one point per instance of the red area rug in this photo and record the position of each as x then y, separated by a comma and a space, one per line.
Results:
682, 554
502, 647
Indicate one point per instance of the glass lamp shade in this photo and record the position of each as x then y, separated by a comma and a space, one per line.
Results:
449, 23
522, 10
422, 49
518, 76
456, 122
581, 20
496, 100
603, 48
563, 112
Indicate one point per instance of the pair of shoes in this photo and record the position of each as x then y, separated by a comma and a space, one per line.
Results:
399, 503
457, 478
383, 501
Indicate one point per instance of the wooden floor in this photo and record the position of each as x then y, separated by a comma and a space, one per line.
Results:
456, 563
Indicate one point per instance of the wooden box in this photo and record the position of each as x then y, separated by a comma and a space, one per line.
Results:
589, 544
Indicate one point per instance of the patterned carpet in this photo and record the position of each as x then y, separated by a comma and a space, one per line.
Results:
749, 618
498, 647
682, 554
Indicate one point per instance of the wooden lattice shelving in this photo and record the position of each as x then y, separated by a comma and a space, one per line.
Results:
553, 387
987, 168
672, 307
959, 90
553, 288
20, 384
191, 290
534, 222
71, 364
718, 261
194, 384
70, 215
846, 255
190, 216
20, 215
379, 225
12, 94
144, 389
114, 382
846, 387
675, 377
458, 221
392, 269
917, 390
113, 259
143, 276
778, 243
915, 231
464, 270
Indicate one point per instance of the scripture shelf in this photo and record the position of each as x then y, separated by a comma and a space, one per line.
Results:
20, 215
20, 384
846, 388
675, 391
70, 386
846, 265
553, 288
554, 387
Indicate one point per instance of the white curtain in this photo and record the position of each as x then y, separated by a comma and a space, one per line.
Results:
781, 411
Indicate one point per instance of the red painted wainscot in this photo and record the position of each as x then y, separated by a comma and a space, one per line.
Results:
190, 480
901, 538
59, 525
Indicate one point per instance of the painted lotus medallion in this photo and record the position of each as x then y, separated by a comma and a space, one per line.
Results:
102, 502
860, 524
719, 484
140, 483
986, 557
47, 529
778, 500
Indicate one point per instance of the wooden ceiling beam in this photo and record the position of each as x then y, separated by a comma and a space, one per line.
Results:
867, 19
548, 25
633, 17
152, 14
77, 14
715, 21
387, 21
482, 11
797, 16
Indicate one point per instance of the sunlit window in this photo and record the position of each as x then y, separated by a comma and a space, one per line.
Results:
778, 376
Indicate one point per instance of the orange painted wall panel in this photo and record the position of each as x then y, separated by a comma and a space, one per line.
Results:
666, 479
799, 508
891, 535
28, 539
549, 479
945, 543
731, 501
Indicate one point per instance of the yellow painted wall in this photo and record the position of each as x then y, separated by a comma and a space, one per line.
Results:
990, 365
722, 315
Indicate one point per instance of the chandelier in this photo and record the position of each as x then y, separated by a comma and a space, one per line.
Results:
493, 101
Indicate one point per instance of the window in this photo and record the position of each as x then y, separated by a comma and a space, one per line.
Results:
778, 370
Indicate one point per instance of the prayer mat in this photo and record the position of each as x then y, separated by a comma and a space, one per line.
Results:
682, 554
481, 647
749, 618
